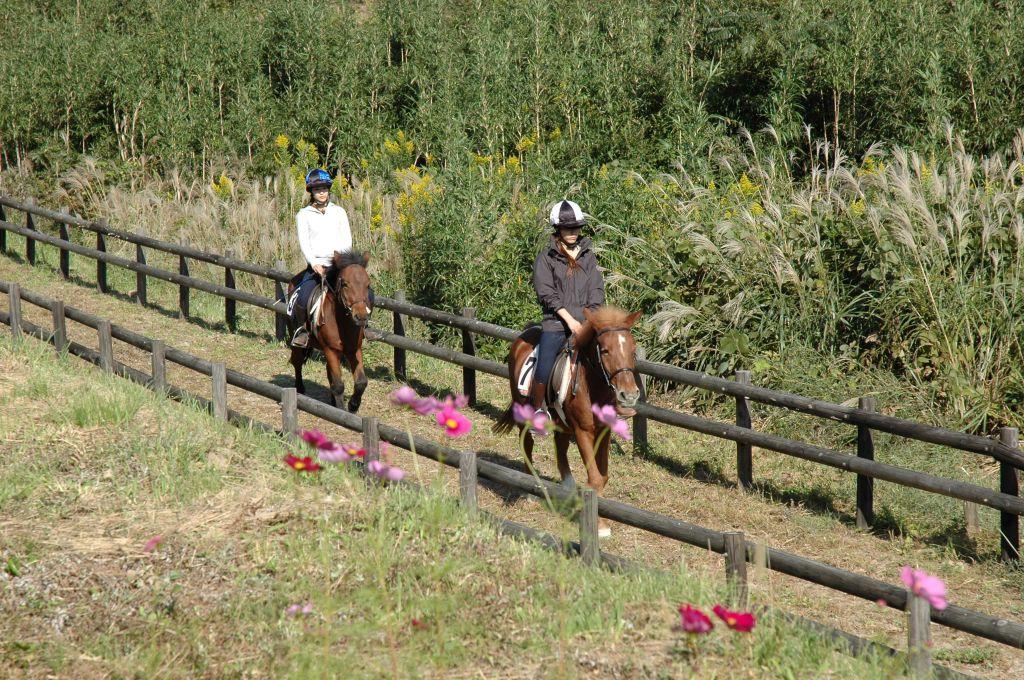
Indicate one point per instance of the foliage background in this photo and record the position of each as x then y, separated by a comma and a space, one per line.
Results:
452, 125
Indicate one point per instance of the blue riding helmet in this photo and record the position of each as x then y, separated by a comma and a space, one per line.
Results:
318, 178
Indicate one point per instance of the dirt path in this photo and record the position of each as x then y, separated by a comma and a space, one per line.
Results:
669, 482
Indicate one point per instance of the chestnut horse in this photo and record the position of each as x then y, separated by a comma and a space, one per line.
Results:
607, 361
344, 314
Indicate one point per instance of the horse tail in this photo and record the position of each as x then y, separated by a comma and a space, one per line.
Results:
505, 423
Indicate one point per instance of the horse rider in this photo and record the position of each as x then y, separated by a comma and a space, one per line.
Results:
323, 230
567, 281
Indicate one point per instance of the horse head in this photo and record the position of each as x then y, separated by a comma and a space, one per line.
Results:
609, 329
351, 284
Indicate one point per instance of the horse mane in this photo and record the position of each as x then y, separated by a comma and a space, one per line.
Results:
608, 315
342, 259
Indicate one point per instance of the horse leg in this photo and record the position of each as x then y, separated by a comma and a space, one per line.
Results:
334, 377
355, 362
562, 456
527, 440
298, 358
595, 479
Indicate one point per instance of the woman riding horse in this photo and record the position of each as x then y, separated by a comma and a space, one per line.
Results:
326, 243
571, 292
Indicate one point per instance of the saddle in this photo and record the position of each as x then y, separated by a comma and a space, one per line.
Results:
316, 300
564, 375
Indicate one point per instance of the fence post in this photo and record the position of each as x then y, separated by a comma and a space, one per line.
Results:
970, 519
280, 320
1009, 523
220, 391
140, 278
736, 566
289, 412
744, 459
101, 266
590, 549
3, 232
14, 304
60, 328
30, 244
467, 481
371, 439
919, 636
159, 366
865, 484
106, 346
469, 347
639, 421
229, 282
398, 326
65, 254
182, 288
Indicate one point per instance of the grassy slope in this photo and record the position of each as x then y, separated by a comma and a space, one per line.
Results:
683, 476
93, 466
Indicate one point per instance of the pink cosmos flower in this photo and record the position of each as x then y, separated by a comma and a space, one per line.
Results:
454, 423
335, 454
296, 609
606, 414
385, 471
742, 622
522, 413
317, 439
403, 396
426, 406
922, 584
356, 452
694, 620
305, 464
459, 401
153, 543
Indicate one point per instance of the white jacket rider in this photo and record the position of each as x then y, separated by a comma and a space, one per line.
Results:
323, 229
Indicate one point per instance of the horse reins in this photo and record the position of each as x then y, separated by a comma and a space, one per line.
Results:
341, 298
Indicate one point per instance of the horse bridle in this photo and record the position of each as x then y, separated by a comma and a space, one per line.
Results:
341, 298
608, 377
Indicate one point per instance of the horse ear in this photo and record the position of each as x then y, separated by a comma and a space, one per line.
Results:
631, 319
366, 257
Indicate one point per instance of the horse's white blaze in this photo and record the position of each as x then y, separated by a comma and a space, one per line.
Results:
622, 343
604, 532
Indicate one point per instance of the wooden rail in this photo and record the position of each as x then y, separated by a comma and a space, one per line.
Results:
1005, 450
1001, 630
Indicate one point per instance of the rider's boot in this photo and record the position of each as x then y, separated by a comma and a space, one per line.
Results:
300, 338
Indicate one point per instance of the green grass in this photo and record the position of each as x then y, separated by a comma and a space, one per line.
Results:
245, 538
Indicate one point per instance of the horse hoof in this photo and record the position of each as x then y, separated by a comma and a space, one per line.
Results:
569, 482
604, 532
353, 406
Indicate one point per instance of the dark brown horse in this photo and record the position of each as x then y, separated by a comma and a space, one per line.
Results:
607, 361
343, 316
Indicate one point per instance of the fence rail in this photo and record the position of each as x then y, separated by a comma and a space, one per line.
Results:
976, 623
1005, 450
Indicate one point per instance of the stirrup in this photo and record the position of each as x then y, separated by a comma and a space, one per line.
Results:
300, 339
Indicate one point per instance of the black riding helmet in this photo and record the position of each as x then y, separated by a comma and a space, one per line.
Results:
566, 214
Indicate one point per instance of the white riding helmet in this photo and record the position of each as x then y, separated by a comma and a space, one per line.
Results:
565, 213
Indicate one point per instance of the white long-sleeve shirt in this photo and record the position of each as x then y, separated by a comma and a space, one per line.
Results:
321, 234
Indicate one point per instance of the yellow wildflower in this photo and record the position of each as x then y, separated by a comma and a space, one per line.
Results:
391, 146
482, 160
513, 164
603, 172
555, 134
711, 186
746, 186
756, 209
857, 207
525, 143
281, 141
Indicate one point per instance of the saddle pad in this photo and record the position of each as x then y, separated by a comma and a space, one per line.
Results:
561, 378
315, 305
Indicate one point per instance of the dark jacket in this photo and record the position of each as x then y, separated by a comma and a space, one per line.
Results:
555, 289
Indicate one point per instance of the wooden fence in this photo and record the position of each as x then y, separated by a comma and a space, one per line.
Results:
737, 551
1005, 450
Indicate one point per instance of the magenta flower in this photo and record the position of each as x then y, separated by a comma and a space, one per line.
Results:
460, 401
317, 439
403, 396
606, 414
922, 584
742, 622
454, 423
153, 543
694, 620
